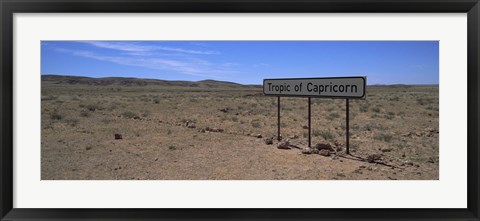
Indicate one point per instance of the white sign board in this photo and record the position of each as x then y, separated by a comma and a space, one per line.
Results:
334, 87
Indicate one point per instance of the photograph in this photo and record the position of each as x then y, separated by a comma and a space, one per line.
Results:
239, 110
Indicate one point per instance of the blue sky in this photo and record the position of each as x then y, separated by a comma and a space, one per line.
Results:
246, 62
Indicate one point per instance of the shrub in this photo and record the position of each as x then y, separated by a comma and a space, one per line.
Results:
72, 122
146, 114
327, 135
363, 108
256, 124
129, 114
55, 115
376, 110
84, 114
384, 137
92, 107
333, 115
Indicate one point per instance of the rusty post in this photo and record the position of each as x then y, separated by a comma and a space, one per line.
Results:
348, 127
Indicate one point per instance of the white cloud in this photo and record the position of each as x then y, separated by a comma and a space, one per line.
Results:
189, 66
137, 47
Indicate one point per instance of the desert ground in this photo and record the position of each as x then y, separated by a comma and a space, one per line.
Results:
135, 129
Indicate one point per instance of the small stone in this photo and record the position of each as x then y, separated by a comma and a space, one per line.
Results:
373, 158
321, 146
324, 152
258, 136
269, 141
118, 137
284, 145
386, 150
307, 150
305, 127
191, 125
293, 137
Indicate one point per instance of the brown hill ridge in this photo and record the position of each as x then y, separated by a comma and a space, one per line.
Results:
121, 81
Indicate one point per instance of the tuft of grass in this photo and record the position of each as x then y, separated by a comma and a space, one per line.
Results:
384, 137
256, 124
129, 114
55, 115
49, 98
146, 114
169, 131
84, 114
390, 115
364, 108
333, 115
72, 122
327, 135
92, 107
376, 109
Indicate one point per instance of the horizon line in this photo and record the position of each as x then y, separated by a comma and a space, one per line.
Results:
140, 78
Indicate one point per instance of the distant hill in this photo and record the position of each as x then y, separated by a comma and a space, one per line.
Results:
120, 81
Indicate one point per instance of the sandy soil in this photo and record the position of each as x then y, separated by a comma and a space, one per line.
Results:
165, 136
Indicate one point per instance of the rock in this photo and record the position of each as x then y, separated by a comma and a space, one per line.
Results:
386, 150
258, 136
373, 158
269, 141
284, 145
324, 152
321, 146
225, 110
217, 130
136, 118
118, 137
307, 150
359, 171
305, 127
293, 137
202, 130
191, 125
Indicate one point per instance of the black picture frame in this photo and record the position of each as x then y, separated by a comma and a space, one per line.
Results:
9, 7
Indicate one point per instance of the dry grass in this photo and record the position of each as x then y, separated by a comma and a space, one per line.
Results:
79, 123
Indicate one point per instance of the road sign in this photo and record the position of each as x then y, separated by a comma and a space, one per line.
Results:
334, 87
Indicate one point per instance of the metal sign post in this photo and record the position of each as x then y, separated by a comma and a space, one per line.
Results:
309, 123
278, 119
347, 133
334, 87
